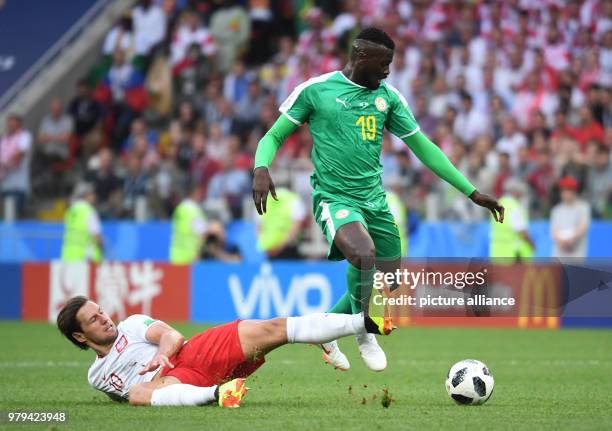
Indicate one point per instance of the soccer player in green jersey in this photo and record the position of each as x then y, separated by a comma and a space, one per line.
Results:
346, 112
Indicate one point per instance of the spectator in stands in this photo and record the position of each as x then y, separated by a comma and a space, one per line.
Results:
203, 167
54, 136
205, 101
317, 39
588, 129
248, 108
427, 122
149, 26
569, 222
236, 83
511, 141
107, 184
533, 97
556, 52
504, 171
479, 173
191, 73
440, 98
135, 185
508, 77
191, 31
216, 246
184, 147
569, 160
461, 66
388, 160
230, 27
470, 123
537, 125
87, 115
524, 164
15, 155
230, 185
120, 38
147, 154
139, 130
121, 78
542, 180
600, 183
168, 183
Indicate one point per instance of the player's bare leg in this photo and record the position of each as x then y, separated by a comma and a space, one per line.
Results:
258, 337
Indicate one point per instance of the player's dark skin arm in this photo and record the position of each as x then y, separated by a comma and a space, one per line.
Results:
490, 203
262, 185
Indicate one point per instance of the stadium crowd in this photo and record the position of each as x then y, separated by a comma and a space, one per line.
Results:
184, 90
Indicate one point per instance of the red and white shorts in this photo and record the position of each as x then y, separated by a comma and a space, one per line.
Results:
212, 357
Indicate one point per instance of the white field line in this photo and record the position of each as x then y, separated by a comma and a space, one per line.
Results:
400, 362
43, 364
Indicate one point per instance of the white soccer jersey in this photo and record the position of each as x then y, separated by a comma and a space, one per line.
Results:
117, 372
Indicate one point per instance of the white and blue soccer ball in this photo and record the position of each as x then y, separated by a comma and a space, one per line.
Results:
469, 382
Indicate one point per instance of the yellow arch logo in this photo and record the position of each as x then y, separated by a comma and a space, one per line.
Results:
539, 298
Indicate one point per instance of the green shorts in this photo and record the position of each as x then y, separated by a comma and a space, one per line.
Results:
331, 213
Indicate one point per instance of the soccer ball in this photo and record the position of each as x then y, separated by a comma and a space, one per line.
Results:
469, 382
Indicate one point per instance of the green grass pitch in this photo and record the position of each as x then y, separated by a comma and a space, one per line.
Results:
553, 380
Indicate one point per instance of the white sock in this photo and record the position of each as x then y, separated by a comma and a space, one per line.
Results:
323, 327
183, 395
365, 338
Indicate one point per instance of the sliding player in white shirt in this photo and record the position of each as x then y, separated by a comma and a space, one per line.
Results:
147, 362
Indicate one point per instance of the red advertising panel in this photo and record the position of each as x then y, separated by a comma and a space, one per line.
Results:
35, 291
121, 288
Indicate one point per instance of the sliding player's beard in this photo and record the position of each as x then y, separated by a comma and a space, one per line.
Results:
106, 339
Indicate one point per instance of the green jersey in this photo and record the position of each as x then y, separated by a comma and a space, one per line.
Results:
346, 121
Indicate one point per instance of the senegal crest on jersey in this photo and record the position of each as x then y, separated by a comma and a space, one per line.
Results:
381, 104
341, 214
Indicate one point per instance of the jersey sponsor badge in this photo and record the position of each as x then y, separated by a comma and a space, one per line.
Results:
381, 104
121, 344
343, 213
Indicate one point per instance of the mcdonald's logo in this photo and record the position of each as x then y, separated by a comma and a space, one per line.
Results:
539, 298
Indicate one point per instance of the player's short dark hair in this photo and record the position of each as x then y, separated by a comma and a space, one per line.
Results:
376, 35
67, 321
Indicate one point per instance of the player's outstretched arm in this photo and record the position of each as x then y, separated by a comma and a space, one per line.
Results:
266, 150
433, 157
169, 341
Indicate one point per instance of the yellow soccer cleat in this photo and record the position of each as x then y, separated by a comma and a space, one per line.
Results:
379, 324
231, 393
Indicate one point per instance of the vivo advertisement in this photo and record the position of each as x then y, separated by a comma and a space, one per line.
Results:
223, 292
